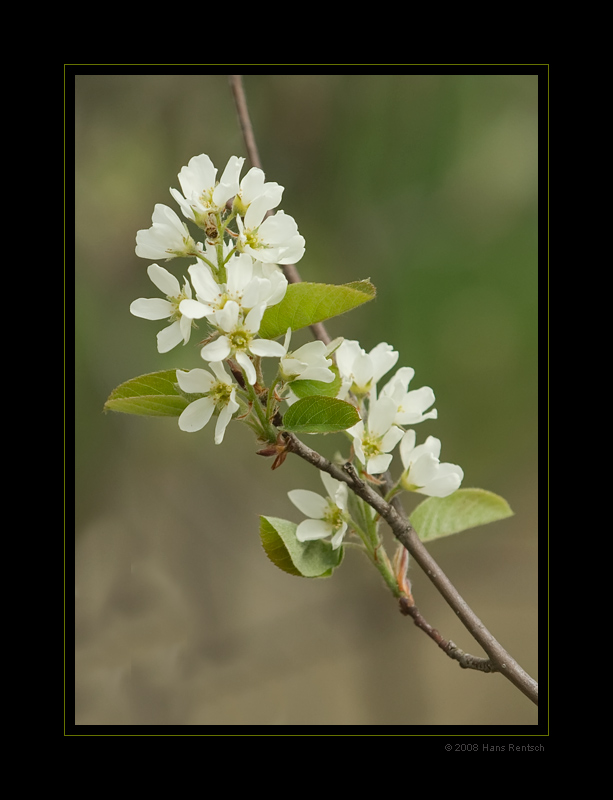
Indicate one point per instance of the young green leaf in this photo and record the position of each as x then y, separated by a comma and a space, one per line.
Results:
309, 388
319, 414
314, 559
465, 508
307, 303
153, 395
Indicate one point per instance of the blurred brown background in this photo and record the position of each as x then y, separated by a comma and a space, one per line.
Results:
427, 184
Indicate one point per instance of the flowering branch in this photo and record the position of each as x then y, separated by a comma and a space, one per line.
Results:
394, 515
393, 512
245, 286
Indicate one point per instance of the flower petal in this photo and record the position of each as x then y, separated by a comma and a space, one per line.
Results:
378, 464
252, 185
185, 324
254, 318
227, 317
240, 272
228, 183
381, 415
247, 365
406, 447
220, 372
391, 439
321, 374
197, 414
152, 308
331, 484
255, 213
311, 504
278, 228
338, 536
423, 470
225, 415
266, 348
346, 354
196, 381
164, 280
198, 176
204, 282
363, 370
341, 497
256, 292
293, 252
400, 381
313, 529
359, 450
217, 350
194, 310
414, 403
384, 357
169, 337
448, 479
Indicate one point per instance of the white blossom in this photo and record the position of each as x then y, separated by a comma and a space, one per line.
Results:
202, 194
275, 277
423, 471
374, 441
238, 338
273, 240
254, 188
411, 405
242, 286
307, 363
360, 370
219, 395
158, 308
327, 516
167, 237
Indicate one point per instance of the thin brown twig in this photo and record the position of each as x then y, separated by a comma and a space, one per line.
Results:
465, 660
393, 513
290, 270
236, 83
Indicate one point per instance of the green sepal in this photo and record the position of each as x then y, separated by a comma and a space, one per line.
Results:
314, 559
465, 508
305, 304
154, 395
319, 414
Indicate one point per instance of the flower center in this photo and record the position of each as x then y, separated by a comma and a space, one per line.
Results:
253, 240
371, 445
206, 198
176, 302
333, 515
240, 339
221, 393
223, 299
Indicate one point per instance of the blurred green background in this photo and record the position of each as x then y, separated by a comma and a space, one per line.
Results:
427, 184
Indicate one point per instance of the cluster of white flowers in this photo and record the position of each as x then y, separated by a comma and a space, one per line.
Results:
384, 416
236, 276
235, 279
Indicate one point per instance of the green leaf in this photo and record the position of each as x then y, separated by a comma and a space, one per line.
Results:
318, 414
309, 388
315, 559
153, 395
465, 508
307, 303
